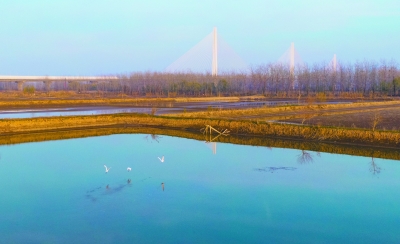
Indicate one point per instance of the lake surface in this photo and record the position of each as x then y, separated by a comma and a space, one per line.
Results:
162, 108
48, 112
58, 192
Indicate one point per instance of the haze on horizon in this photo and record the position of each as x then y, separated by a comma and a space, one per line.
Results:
43, 37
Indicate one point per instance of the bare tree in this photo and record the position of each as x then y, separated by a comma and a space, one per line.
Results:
376, 119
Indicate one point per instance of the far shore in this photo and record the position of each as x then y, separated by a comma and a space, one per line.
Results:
368, 122
236, 127
356, 149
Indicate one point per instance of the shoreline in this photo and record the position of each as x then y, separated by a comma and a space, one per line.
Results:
237, 127
62, 102
356, 149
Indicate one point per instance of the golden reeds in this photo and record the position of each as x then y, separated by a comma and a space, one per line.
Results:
240, 127
376, 152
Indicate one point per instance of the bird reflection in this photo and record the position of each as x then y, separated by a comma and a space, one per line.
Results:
162, 186
89, 194
97, 193
374, 169
91, 198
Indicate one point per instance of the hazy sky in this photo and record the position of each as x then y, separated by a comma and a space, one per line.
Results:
78, 37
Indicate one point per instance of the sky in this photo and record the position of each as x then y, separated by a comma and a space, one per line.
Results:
104, 37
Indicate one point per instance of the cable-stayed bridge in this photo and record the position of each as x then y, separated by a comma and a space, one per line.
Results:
291, 58
48, 80
333, 63
213, 54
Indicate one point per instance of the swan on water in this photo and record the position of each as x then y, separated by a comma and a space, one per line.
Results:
107, 169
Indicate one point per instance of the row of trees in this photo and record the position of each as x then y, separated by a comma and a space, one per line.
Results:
362, 78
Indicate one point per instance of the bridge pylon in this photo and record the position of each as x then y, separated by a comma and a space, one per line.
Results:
20, 85
214, 67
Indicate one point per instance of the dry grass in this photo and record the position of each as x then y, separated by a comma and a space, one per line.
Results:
387, 153
66, 99
360, 115
377, 118
286, 110
316, 133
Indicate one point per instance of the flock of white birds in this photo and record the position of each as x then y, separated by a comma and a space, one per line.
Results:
129, 168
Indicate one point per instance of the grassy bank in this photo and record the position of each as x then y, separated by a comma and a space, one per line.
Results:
273, 110
55, 99
376, 152
238, 127
58, 101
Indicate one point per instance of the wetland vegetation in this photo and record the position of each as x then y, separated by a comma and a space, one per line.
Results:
269, 142
236, 126
321, 80
369, 117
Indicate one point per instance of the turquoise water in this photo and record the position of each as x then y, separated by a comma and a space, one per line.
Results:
32, 113
147, 108
58, 192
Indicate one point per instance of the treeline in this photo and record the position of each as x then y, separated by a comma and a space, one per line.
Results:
365, 78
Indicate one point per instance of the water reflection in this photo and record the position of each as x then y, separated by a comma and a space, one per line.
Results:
91, 198
147, 108
386, 153
89, 194
31, 113
114, 190
153, 137
306, 157
234, 194
374, 169
98, 192
210, 141
212, 146
273, 169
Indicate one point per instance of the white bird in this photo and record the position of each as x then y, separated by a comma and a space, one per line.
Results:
161, 159
128, 169
107, 169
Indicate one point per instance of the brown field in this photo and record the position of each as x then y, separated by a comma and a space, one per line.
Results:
237, 127
269, 142
385, 115
73, 99
370, 123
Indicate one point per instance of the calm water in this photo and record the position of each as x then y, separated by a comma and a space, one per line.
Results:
146, 108
58, 192
31, 113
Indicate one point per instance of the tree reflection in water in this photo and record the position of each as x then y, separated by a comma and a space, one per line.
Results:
306, 157
153, 137
374, 169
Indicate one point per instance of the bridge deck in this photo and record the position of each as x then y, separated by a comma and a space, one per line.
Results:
56, 78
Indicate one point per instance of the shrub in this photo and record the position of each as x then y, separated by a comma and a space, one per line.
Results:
29, 89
